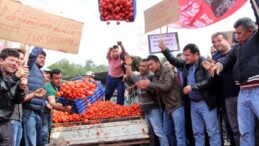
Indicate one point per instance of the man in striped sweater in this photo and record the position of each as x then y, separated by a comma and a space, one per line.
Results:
244, 58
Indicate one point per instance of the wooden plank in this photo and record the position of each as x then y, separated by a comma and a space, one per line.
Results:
102, 133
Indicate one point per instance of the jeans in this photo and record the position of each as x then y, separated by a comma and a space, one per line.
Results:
17, 132
248, 110
155, 124
231, 109
174, 126
6, 135
201, 117
112, 84
46, 127
32, 128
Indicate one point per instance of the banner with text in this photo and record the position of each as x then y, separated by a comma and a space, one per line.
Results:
200, 13
28, 25
161, 14
170, 39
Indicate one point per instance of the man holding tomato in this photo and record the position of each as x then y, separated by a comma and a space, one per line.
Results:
52, 94
115, 74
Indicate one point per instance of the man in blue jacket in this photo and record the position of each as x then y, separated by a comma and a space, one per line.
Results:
33, 109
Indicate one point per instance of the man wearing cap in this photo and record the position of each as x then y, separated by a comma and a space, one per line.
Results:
89, 76
46, 74
115, 74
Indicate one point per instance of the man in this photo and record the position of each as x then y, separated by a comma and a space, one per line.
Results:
135, 61
187, 106
197, 85
33, 109
213, 50
244, 57
169, 92
46, 74
52, 88
11, 90
227, 89
89, 76
148, 102
16, 118
115, 74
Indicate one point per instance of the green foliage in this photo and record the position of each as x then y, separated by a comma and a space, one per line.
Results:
71, 69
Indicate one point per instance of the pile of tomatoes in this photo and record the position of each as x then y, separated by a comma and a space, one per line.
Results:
97, 111
116, 10
77, 89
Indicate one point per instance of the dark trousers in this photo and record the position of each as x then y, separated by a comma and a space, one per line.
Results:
188, 123
231, 109
225, 128
112, 84
6, 135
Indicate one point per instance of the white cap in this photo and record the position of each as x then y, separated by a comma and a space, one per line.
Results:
90, 73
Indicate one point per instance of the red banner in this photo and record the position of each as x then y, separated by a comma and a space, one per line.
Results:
200, 13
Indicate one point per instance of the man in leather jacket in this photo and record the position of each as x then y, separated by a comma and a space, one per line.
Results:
11, 91
197, 84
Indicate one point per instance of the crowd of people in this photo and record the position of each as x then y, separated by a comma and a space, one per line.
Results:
204, 90
28, 97
181, 107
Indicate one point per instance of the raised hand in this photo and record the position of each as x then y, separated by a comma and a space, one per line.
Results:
22, 71
119, 43
162, 45
128, 60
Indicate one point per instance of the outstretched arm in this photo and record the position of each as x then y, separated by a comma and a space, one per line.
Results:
255, 7
121, 46
108, 55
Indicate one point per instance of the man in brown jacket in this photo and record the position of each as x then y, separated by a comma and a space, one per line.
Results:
169, 92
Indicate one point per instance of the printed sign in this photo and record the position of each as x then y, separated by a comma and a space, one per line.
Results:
170, 39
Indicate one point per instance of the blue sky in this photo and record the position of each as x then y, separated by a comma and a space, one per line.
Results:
97, 36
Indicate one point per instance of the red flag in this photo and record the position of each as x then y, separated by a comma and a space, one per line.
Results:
200, 13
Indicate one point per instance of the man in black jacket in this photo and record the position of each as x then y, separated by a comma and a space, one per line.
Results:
11, 91
197, 84
227, 89
244, 58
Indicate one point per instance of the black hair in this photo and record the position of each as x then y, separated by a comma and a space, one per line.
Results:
246, 22
115, 47
225, 36
193, 48
43, 53
144, 60
123, 55
54, 71
179, 55
153, 57
9, 52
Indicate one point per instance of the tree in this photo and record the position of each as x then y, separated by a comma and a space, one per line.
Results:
71, 69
